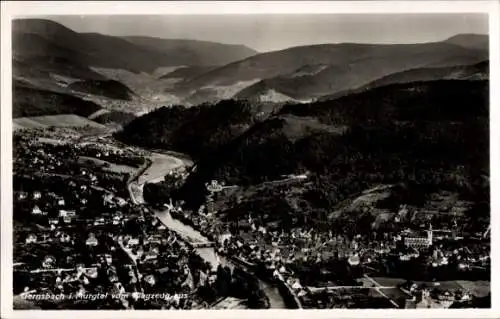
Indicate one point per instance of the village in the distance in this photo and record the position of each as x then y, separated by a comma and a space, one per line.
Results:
249, 201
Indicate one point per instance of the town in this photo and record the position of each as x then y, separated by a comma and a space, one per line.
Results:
78, 233
81, 230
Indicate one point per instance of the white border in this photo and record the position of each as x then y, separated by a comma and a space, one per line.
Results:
30, 8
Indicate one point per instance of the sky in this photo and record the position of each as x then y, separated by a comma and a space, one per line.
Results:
275, 32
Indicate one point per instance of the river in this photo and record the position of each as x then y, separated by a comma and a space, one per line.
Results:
188, 233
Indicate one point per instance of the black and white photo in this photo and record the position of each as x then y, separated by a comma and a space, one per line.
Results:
250, 161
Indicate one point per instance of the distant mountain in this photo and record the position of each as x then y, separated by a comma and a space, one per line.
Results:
479, 71
54, 57
108, 88
309, 72
44, 39
470, 40
31, 101
194, 52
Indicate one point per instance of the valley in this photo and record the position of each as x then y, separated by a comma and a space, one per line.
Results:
333, 175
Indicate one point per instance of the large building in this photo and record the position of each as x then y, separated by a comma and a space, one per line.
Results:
419, 241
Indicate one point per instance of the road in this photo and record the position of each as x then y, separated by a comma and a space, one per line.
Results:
378, 288
134, 262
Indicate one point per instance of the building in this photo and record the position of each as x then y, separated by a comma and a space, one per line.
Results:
37, 211
419, 241
91, 240
31, 239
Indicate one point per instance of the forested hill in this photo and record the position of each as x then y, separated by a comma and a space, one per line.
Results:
444, 100
28, 100
435, 133
197, 131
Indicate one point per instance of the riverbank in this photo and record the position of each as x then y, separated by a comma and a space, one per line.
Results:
189, 235
266, 277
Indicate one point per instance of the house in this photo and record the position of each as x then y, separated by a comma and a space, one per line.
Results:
133, 242
65, 213
49, 262
37, 195
150, 279
150, 255
91, 240
121, 202
108, 259
296, 285
99, 221
37, 211
53, 221
64, 238
31, 238
67, 219
22, 195
354, 260
117, 220
61, 202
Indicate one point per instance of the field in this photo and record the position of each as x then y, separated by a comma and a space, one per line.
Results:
107, 166
66, 120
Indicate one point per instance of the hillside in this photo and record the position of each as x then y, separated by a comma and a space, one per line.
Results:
30, 101
431, 132
471, 41
187, 72
311, 71
479, 71
115, 117
108, 88
194, 52
197, 131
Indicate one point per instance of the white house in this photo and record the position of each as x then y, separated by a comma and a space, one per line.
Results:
91, 240
31, 239
37, 211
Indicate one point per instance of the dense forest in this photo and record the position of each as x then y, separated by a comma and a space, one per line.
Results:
118, 117
434, 135
197, 131
30, 101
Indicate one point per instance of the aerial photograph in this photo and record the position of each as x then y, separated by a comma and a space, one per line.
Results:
257, 161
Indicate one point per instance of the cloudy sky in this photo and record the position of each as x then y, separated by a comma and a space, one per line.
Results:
274, 32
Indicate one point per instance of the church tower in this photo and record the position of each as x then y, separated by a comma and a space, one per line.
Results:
429, 235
